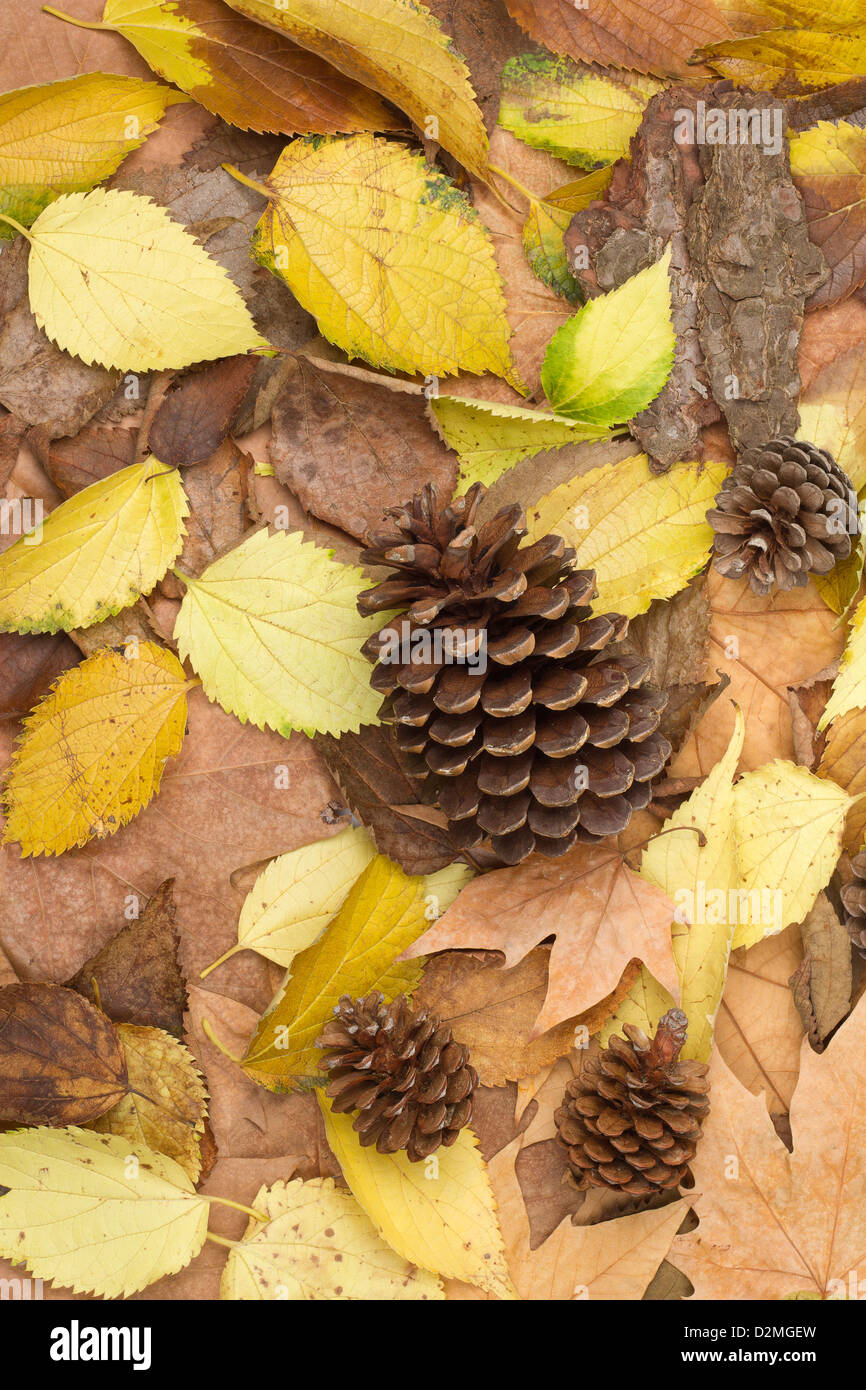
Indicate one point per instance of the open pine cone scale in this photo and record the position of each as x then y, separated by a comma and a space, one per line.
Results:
546, 740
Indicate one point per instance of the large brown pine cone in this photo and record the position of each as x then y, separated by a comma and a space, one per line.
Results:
786, 511
402, 1071
854, 901
548, 742
632, 1119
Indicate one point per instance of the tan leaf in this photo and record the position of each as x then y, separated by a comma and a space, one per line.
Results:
844, 759
758, 1029
776, 1223
601, 914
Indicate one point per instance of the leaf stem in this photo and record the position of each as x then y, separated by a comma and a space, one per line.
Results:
250, 183
211, 1035
4, 217
531, 197
221, 1240
220, 960
238, 1206
671, 830
79, 23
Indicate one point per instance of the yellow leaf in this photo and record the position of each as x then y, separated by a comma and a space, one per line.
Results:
791, 60
254, 79
66, 136
574, 197
388, 256
273, 630
490, 438
543, 233
294, 899
114, 280
644, 1005
849, 688
572, 110
95, 1213
688, 871
167, 1102
644, 535
318, 1244
611, 359
382, 915
440, 1214
93, 751
788, 825
828, 166
96, 553
833, 412
396, 47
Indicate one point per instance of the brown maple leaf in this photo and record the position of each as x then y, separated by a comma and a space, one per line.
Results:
601, 914
774, 1223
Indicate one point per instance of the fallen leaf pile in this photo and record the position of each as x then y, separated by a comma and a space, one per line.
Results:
269, 270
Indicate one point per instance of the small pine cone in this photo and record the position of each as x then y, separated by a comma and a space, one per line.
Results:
523, 731
632, 1120
402, 1071
854, 902
786, 511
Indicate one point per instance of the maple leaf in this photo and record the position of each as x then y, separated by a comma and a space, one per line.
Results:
780, 1223
612, 1260
601, 914
757, 1030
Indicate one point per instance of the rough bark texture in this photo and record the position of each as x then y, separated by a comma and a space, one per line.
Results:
645, 208
748, 236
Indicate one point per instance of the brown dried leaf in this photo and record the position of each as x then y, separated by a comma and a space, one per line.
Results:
217, 492
136, 977
601, 914
46, 49
29, 666
758, 1030
844, 760
808, 701
486, 37
366, 767
492, 1011
61, 1061
350, 448
95, 452
198, 414
828, 951
624, 33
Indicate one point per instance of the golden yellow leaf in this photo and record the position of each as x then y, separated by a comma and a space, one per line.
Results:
788, 825
253, 78
95, 1213
791, 60
114, 280
66, 136
167, 1102
382, 915
273, 630
644, 535
833, 412
573, 111
490, 437
849, 688
439, 1214
688, 872
318, 1243
388, 256
96, 553
93, 751
644, 1005
396, 47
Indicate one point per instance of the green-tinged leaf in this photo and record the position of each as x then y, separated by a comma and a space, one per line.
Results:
689, 872
94, 1212
571, 110
440, 1214
383, 913
66, 136
490, 438
611, 359
318, 1244
574, 197
273, 630
644, 534
543, 243
388, 256
96, 553
788, 824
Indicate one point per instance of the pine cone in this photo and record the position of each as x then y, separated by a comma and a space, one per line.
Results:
401, 1070
521, 729
633, 1118
854, 902
786, 511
